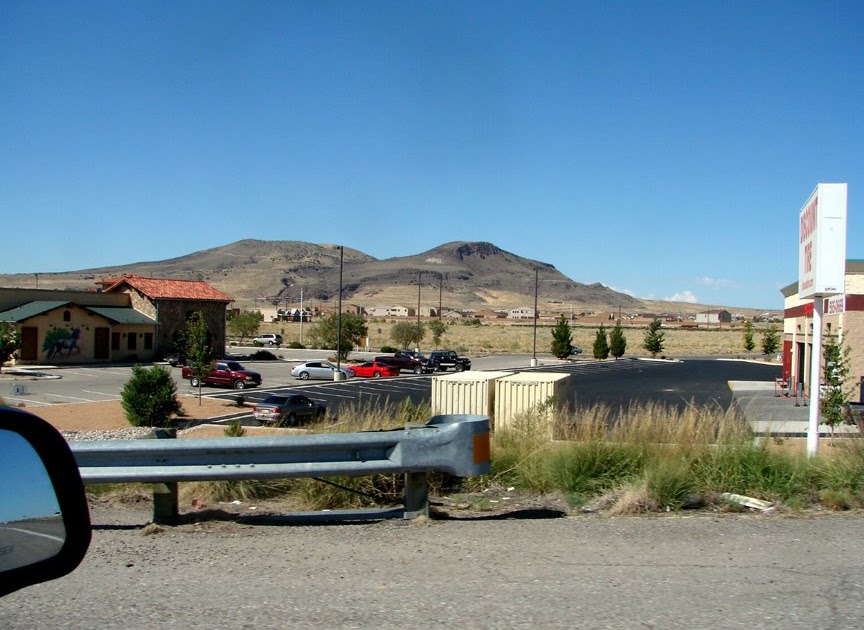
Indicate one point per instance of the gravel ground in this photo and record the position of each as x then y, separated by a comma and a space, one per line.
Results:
702, 571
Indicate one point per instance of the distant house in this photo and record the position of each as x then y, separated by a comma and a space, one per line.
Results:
714, 317
520, 313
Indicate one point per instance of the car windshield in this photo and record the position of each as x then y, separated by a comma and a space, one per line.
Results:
298, 400
234, 366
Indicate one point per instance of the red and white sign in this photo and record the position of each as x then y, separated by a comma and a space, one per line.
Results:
822, 242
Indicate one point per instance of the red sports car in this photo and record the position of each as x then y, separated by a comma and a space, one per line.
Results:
374, 369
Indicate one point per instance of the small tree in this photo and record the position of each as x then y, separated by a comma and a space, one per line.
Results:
197, 350
326, 332
245, 324
617, 341
149, 397
601, 344
562, 339
832, 405
770, 340
653, 341
10, 341
749, 342
407, 334
438, 329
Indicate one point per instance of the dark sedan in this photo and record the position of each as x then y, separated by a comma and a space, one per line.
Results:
288, 411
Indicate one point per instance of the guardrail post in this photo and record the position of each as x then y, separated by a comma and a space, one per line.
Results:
166, 505
416, 495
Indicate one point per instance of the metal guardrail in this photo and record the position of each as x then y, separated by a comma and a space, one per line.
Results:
455, 444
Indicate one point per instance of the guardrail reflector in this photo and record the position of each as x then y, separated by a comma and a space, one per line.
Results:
482, 448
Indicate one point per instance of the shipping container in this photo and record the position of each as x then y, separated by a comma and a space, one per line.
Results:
465, 392
546, 393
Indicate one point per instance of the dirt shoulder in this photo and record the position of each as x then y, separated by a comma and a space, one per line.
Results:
108, 415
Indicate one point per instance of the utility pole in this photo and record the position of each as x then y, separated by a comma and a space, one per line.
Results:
440, 291
534, 356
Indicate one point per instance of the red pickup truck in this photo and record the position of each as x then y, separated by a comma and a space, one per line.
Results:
226, 374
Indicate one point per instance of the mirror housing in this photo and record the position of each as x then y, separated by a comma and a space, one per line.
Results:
36, 461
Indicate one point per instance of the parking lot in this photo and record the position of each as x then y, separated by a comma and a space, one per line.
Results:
617, 383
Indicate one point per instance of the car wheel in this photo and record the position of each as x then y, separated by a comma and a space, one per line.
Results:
271, 344
239, 384
304, 376
376, 374
290, 420
194, 382
418, 369
459, 368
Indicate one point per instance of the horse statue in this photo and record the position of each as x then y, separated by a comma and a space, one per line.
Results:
65, 344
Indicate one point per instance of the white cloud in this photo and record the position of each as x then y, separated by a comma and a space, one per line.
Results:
629, 292
717, 282
683, 296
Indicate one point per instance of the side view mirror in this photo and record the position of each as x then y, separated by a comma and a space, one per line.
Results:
44, 517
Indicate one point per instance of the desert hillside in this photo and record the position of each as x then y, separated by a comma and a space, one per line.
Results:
464, 275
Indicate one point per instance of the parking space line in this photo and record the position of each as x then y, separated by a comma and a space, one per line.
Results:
72, 398
110, 396
27, 401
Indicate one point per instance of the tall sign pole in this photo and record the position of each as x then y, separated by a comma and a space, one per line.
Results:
821, 273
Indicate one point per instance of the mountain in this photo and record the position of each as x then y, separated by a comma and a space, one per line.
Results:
465, 274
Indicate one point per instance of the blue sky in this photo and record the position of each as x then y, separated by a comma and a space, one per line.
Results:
660, 148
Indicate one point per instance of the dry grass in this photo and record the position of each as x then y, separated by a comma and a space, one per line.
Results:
509, 337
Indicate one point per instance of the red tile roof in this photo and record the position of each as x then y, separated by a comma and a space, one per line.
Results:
166, 289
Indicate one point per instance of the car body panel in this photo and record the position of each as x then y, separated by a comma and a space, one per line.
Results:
288, 409
318, 370
374, 369
226, 374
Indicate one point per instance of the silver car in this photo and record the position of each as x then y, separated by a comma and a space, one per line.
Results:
320, 370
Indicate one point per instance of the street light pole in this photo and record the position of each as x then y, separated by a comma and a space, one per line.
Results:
419, 280
337, 375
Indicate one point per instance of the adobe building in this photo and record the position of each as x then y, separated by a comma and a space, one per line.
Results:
843, 319
133, 319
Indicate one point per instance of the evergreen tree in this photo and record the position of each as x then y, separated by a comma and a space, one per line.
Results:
601, 344
149, 397
653, 341
562, 339
617, 341
749, 342
770, 340
832, 405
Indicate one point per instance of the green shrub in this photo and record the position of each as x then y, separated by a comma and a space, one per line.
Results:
388, 349
149, 397
263, 355
234, 429
296, 345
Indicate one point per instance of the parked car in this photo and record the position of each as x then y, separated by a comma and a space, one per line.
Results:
175, 358
574, 350
321, 370
374, 369
268, 339
409, 360
226, 374
446, 359
287, 410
